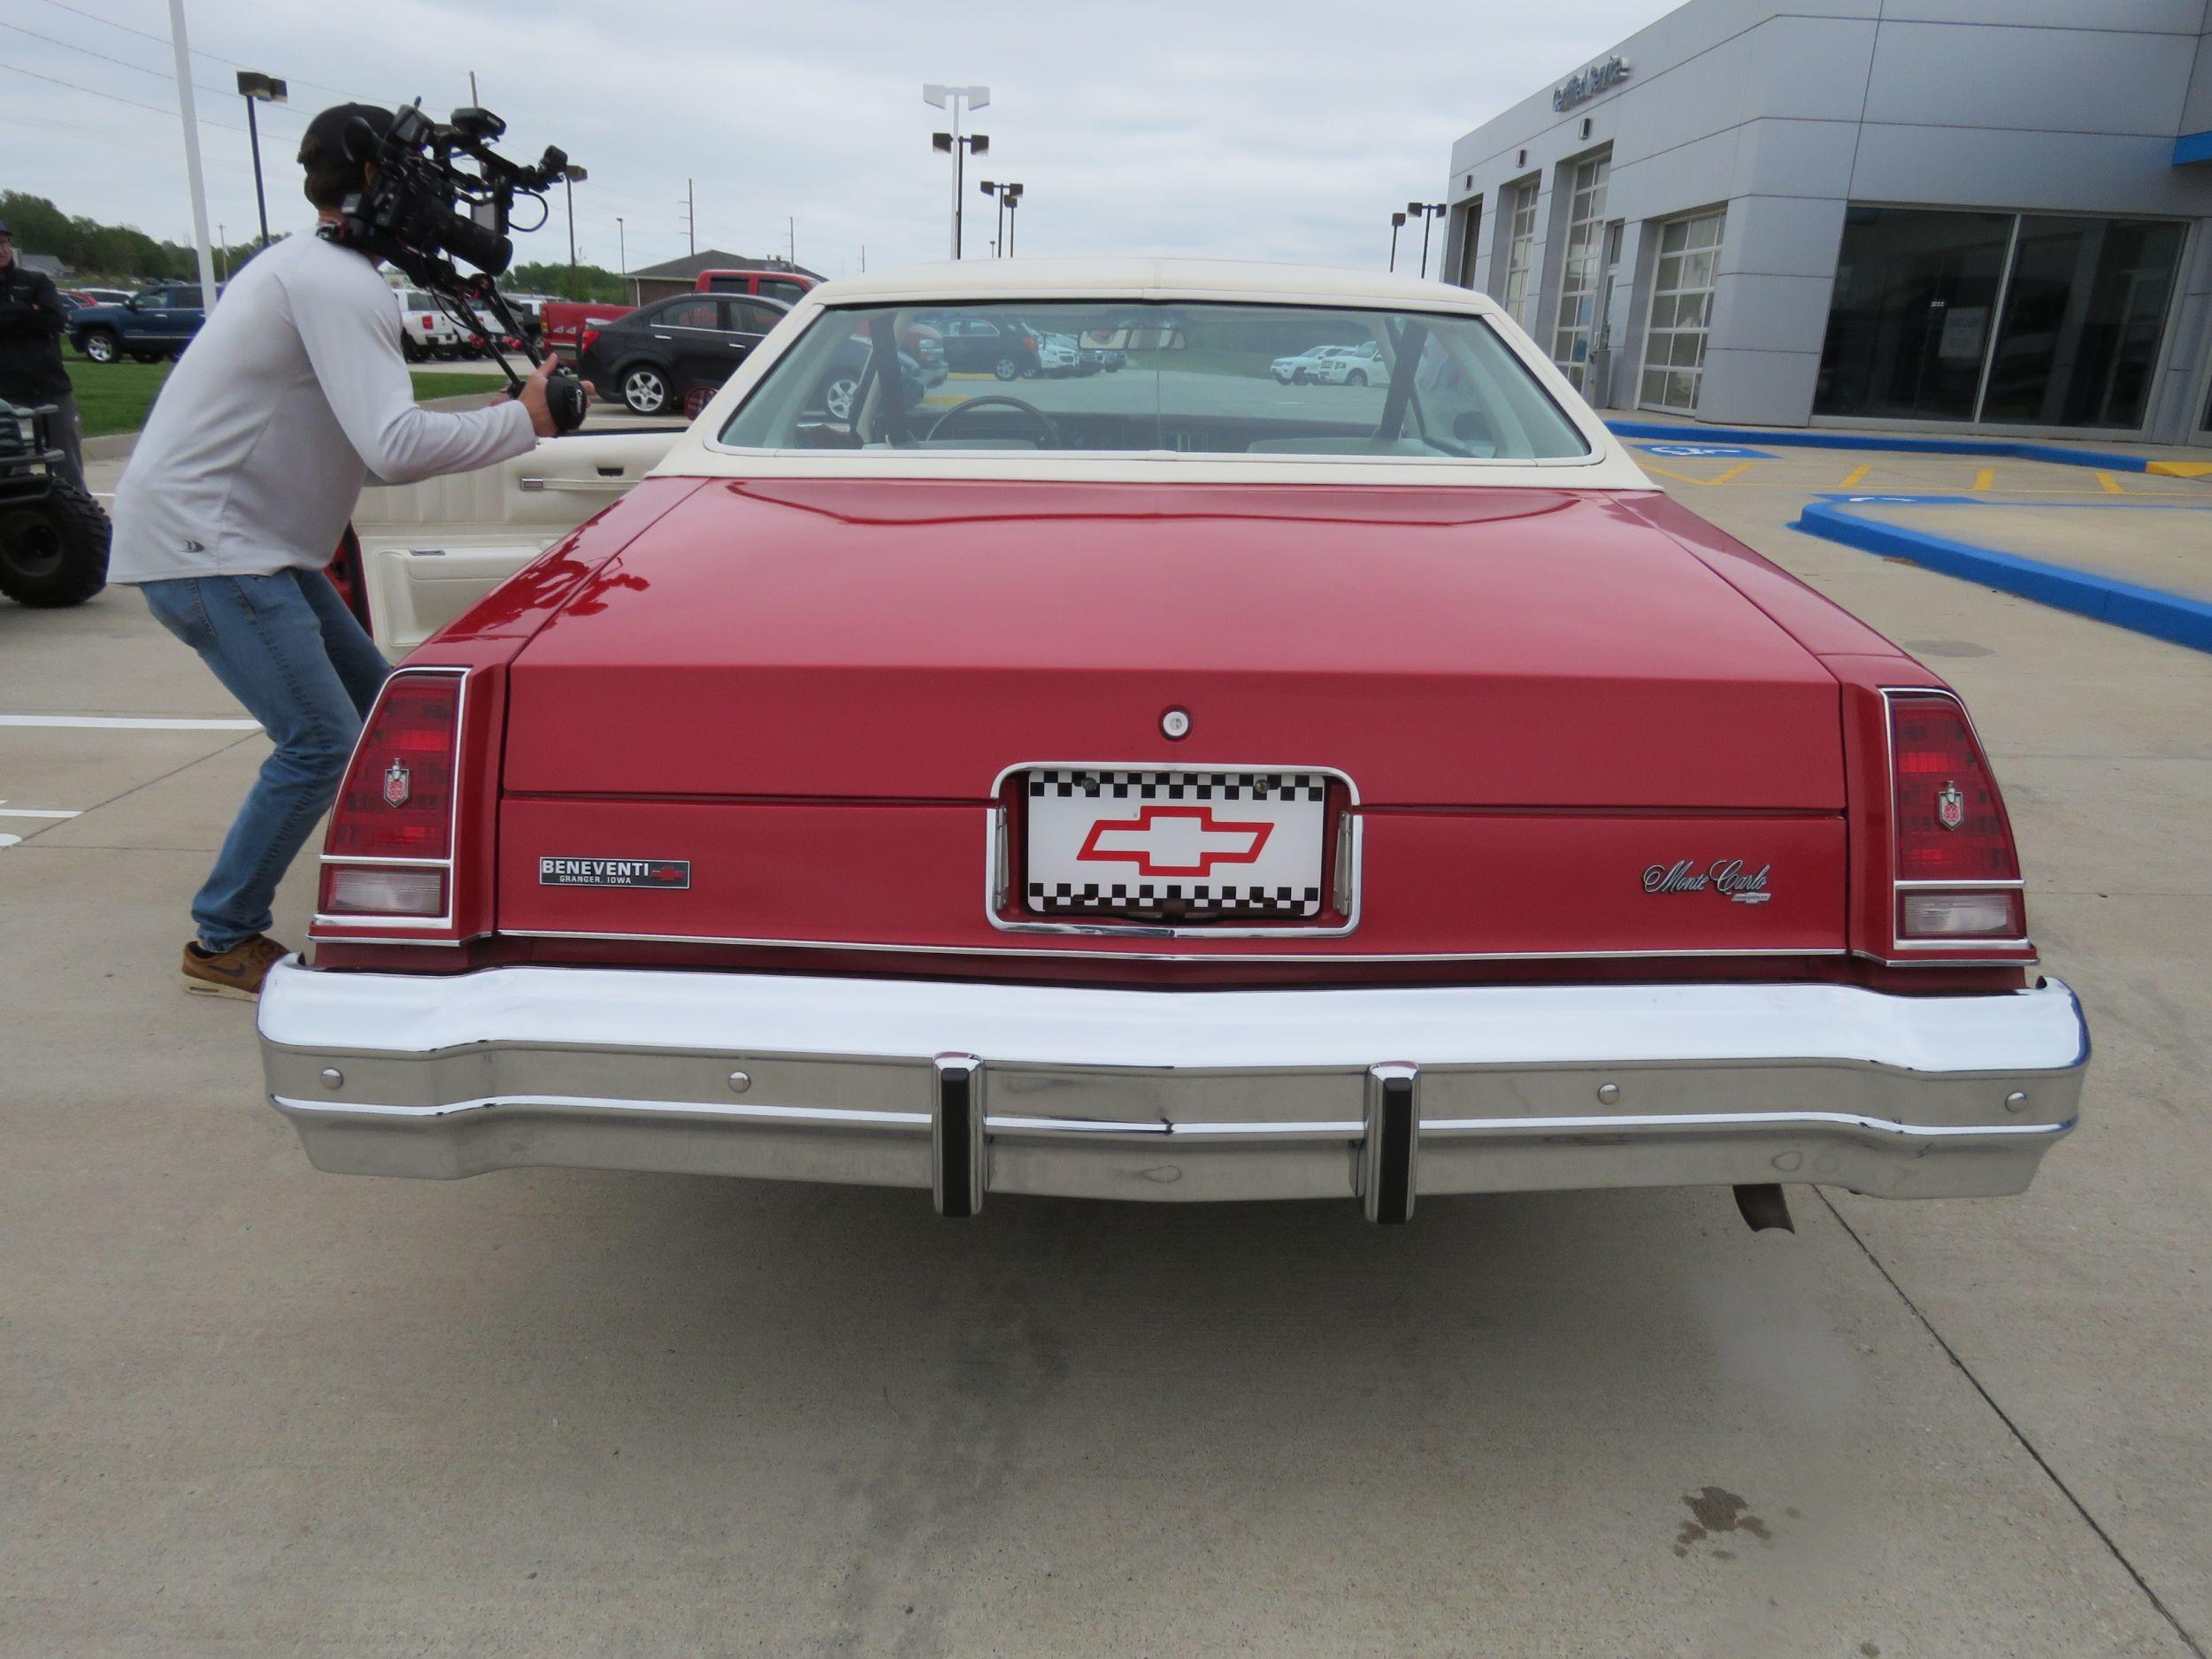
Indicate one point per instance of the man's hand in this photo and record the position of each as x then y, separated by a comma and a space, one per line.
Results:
532, 397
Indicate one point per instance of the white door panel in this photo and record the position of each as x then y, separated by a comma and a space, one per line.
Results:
430, 550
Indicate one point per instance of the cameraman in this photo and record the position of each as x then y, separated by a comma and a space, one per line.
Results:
293, 395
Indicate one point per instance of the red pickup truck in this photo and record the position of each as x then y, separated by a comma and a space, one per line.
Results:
565, 320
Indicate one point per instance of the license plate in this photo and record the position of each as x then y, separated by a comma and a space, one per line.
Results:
1176, 843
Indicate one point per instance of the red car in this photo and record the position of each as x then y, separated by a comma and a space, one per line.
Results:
1170, 786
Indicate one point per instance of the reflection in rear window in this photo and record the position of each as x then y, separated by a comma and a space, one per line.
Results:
1137, 377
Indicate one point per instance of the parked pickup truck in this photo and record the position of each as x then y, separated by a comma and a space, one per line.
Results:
154, 323
562, 323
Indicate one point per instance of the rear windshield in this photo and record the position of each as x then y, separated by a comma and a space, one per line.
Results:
1121, 376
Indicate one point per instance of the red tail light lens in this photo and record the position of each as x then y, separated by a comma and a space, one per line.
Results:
1957, 872
397, 799
1951, 826
589, 335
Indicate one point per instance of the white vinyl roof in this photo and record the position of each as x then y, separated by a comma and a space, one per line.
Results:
983, 280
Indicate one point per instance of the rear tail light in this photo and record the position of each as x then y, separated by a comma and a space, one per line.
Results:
1029, 342
1957, 872
589, 334
390, 849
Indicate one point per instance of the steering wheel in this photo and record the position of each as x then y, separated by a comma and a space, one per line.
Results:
1044, 422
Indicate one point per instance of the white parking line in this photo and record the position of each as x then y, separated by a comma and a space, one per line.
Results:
26, 812
132, 723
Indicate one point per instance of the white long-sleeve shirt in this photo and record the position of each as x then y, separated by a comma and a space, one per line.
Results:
293, 395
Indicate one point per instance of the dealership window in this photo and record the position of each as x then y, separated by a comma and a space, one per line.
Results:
1520, 253
2027, 319
1578, 271
1681, 313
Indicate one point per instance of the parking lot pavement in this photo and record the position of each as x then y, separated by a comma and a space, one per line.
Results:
246, 1408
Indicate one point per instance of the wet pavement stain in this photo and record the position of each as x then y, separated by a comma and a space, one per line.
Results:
1716, 1509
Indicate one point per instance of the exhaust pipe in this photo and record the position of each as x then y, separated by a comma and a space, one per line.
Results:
1763, 1207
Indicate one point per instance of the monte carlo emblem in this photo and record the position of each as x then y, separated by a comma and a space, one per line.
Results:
1950, 806
397, 785
1725, 876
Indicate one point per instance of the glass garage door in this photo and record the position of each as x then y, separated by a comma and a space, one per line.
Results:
1681, 312
1578, 273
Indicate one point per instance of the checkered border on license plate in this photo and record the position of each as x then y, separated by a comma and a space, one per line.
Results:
1206, 805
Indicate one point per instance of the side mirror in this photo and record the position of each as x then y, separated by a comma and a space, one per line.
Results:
131, 304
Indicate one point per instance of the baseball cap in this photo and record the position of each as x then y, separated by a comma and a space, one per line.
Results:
4, 231
332, 137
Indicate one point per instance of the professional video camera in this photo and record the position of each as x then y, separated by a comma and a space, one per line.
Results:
412, 214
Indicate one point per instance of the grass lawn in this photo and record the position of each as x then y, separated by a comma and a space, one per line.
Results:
115, 396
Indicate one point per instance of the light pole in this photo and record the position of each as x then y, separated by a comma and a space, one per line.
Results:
1425, 211
181, 45
255, 87
954, 143
1008, 197
570, 178
622, 245
1397, 222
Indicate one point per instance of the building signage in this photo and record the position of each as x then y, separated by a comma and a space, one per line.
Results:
1599, 77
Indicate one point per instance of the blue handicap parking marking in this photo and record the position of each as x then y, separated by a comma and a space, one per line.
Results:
1705, 451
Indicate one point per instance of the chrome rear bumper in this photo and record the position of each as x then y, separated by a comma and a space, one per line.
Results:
1378, 1094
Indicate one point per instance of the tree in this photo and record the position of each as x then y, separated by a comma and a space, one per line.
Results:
584, 282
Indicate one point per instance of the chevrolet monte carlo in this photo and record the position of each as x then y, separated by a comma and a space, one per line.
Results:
1167, 785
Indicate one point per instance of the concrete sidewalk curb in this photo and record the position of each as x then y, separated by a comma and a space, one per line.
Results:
2001, 449
2151, 610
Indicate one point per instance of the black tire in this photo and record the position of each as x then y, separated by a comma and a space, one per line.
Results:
409, 350
1298, 377
646, 388
54, 550
1358, 377
147, 357
1006, 369
100, 344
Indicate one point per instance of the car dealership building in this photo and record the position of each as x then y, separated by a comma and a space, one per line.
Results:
1987, 215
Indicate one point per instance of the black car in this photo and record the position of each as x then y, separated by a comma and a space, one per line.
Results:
1004, 347
655, 357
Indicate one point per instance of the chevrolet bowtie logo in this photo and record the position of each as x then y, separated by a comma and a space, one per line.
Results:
1174, 841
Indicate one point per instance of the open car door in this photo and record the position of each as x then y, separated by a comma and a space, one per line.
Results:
428, 551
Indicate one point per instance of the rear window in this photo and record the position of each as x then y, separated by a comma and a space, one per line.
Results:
1136, 377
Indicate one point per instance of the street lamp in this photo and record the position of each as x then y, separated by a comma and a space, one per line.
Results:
255, 87
573, 176
954, 143
1425, 211
622, 244
1397, 222
1008, 197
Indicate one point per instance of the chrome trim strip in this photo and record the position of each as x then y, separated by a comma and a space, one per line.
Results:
1730, 1121
1349, 1129
1963, 886
1149, 955
993, 871
595, 1102
1321, 1128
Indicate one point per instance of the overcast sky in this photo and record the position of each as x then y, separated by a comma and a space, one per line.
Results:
1275, 129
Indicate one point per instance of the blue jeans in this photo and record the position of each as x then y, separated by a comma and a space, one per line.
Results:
286, 647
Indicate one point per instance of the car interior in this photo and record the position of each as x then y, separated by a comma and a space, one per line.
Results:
1189, 378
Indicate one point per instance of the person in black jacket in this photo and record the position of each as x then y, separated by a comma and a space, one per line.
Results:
31, 322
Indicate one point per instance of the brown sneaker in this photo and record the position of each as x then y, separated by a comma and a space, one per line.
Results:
237, 972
